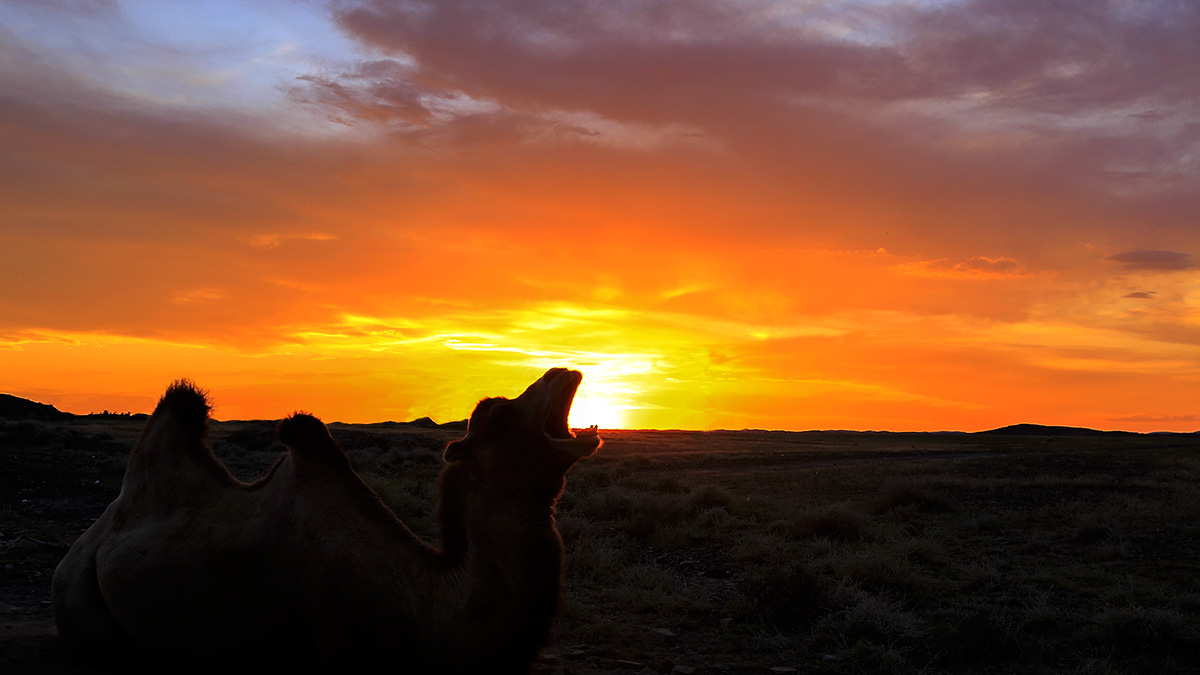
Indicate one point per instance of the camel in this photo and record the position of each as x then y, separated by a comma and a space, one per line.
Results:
306, 569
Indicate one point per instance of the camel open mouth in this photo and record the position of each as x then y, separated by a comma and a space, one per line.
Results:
564, 384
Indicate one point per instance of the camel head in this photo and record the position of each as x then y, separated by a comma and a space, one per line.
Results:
525, 443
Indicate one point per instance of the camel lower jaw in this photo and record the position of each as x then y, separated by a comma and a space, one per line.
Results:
583, 443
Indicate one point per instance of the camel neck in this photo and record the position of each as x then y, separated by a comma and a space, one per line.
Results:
482, 521
528, 504
500, 571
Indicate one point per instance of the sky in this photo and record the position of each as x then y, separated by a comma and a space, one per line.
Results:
805, 214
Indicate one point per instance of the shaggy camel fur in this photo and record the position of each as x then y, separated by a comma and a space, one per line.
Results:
306, 569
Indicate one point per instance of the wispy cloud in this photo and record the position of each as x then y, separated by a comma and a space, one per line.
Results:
980, 267
270, 241
381, 91
1169, 419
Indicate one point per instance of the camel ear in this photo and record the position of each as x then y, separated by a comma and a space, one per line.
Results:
456, 450
503, 416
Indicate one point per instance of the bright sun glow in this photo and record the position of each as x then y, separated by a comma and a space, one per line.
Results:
588, 411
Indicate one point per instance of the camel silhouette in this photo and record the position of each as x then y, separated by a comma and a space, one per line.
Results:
306, 569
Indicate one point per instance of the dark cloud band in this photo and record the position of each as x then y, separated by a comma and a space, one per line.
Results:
1158, 261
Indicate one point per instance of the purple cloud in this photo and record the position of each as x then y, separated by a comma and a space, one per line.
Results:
648, 60
1153, 261
1094, 93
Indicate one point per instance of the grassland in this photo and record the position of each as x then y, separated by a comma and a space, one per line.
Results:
754, 552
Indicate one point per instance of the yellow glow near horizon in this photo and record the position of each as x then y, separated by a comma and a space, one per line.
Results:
642, 369
587, 411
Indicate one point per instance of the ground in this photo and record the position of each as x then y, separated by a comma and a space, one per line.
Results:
751, 552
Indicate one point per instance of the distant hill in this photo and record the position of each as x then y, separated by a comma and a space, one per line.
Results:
15, 407
420, 423
1042, 430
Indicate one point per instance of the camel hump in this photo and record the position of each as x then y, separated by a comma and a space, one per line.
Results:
178, 426
312, 448
186, 405
173, 450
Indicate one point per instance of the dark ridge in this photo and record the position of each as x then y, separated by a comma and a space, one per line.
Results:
419, 423
390, 424
15, 407
458, 425
1042, 430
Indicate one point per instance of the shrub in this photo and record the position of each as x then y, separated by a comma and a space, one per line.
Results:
1140, 629
885, 569
785, 594
896, 495
709, 497
974, 635
594, 560
415, 510
873, 618
833, 522
876, 659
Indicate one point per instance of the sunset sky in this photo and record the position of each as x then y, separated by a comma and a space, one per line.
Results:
859, 214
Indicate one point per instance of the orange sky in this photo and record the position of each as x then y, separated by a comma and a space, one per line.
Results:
869, 215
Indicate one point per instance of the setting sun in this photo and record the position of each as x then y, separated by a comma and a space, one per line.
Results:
588, 411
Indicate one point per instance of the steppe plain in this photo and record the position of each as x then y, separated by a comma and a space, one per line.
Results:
1029, 550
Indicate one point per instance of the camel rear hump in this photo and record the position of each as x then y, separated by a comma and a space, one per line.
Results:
314, 452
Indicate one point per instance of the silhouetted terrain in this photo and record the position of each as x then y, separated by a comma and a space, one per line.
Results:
1042, 430
13, 407
1028, 549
